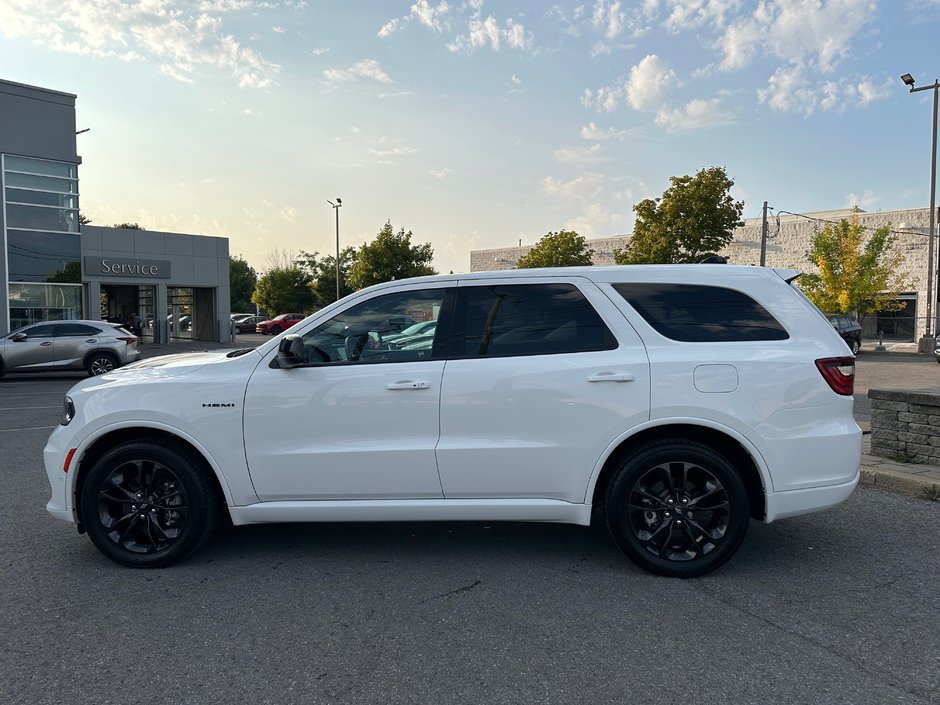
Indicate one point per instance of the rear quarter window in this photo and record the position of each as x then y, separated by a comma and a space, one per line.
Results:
697, 313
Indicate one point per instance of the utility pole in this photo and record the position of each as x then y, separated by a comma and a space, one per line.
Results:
763, 237
336, 206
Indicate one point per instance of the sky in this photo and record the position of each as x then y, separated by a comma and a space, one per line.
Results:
478, 124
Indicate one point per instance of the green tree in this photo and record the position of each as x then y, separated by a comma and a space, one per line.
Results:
284, 290
694, 218
856, 275
390, 256
127, 226
562, 249
83, 219
242, 279
323, 272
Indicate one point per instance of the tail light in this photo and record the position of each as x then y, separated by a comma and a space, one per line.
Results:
839, 372
128, 340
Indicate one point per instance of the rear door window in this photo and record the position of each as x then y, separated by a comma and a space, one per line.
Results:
527, 319
697, 313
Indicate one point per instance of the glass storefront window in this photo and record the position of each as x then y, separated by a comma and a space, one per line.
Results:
44, 257
31, 303
42, 198
179, 311
41, 166
41, 218
43, 183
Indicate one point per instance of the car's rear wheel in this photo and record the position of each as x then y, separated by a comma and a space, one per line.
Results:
100, 363
677, 508
855, 346
145, 504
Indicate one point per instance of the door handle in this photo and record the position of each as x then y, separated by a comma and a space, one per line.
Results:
45, 345
611, 377
408, 384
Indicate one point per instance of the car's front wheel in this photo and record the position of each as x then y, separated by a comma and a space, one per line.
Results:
677, 508
100, 363
147, 504
275, 330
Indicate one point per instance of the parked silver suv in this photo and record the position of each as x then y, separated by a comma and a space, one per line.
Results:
53, 346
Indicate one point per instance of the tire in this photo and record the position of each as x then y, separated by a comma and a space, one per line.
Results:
647, 506
3, 369
855, 346
147, 504
100, 363
275, 330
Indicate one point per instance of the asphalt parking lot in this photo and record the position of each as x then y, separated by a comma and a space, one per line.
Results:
837, 607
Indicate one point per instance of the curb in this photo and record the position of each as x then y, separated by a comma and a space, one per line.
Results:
899, 482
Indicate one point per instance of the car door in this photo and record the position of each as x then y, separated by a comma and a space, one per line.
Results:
72, 341
541, 378
33, 350
358, 420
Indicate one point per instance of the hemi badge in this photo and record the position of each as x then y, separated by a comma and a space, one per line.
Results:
220, 405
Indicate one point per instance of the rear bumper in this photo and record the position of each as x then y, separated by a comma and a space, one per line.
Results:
781, 505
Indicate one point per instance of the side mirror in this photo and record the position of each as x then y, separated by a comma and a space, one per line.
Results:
290, 351
17, 337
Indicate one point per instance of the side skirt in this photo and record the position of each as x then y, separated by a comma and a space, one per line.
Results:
546, 510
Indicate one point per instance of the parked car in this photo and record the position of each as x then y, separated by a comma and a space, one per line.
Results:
850, 330
249, 324
673, 403
936, 349
240, 316
278, 324
53, 346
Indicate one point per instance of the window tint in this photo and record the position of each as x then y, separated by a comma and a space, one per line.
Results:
373, 331
45, 330
527, 319
77, 329
695, 313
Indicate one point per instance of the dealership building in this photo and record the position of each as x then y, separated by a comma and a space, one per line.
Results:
54, 268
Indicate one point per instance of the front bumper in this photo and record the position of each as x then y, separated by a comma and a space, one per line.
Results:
54, 454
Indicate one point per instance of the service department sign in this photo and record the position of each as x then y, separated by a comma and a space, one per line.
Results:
118, 267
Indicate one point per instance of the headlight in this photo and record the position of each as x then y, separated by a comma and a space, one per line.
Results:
68, 411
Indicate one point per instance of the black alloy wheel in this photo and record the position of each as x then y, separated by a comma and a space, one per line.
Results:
855, 346
100, 363
677, 508
146, 504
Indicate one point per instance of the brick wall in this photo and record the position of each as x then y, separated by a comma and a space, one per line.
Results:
905, 423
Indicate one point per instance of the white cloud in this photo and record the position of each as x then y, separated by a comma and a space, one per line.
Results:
389, 28
595, 133
367, 68
791, 90
482, 33
392, 151
691, 14
647, 83
797, 31
587, 186
866, 201
279, 30
428, 15
319, 51
608, 19
573, 155
185, 46
695, 115
441, 173
595, 220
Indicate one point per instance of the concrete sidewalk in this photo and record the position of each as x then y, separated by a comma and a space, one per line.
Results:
905, 478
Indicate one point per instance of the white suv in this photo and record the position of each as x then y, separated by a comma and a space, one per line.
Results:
676, 403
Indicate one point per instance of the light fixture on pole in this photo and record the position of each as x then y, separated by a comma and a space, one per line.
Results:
336, 206
909, 82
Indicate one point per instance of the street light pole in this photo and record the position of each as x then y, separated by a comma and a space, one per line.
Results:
909, 81
336, 206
